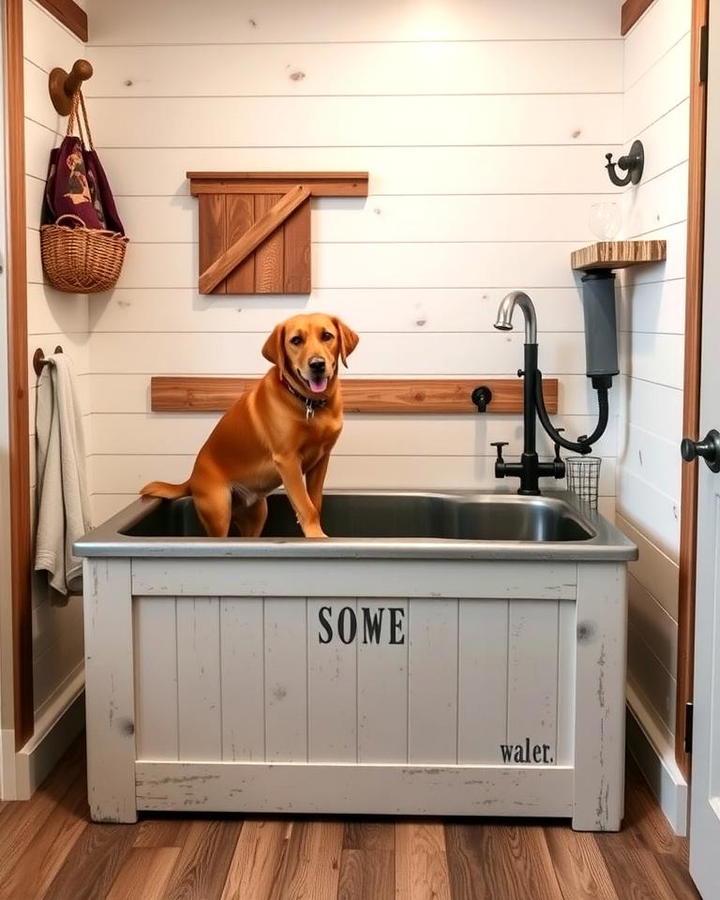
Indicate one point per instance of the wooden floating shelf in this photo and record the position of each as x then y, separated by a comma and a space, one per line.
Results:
618, 254
360, 395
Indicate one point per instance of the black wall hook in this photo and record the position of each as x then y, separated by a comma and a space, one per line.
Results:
481, 396
633, 164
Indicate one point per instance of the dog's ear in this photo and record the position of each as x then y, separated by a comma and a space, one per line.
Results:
347, 338
274, 348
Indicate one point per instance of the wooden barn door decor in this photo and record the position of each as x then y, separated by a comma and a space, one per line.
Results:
254, 227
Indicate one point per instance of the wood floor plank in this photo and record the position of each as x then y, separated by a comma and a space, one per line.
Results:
204, 860
312, 868
421, 862
37, 867
259, 860
165, 832
579, 865
644, 819
20, 822
495, 860
366, 834
367, 873
93, 863
634, 870
145, 873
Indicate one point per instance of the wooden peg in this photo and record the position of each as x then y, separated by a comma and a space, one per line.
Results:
62, 84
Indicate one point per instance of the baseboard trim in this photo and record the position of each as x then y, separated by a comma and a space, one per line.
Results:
61, 722
655, 757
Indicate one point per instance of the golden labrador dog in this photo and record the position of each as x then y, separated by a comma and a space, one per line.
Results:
280, 432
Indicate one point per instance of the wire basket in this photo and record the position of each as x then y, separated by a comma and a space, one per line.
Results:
583, 478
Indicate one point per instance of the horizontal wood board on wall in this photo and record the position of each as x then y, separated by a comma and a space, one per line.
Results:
68, 13
360, 395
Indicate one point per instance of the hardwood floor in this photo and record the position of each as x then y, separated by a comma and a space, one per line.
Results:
50, 849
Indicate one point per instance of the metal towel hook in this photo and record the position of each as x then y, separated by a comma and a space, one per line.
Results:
38, 360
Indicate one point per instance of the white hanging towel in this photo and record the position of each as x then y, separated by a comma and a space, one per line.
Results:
63, 507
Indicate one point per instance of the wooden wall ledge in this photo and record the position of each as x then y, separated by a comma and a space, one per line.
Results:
618, 255
361, 395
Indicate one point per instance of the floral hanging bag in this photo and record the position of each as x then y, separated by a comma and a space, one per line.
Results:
82, 239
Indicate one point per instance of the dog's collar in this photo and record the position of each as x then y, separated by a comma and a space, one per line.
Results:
310, 403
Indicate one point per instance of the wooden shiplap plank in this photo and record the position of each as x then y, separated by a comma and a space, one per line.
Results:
514, 119
285, 647
385, 67
156, 677
482, 680
213, 233
199, 698
432, 632
240, 217
242, 678
109, 690
382, 692
533, 676
334, 635
270, 255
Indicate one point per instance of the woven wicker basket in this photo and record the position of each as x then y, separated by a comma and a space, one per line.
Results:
81, 260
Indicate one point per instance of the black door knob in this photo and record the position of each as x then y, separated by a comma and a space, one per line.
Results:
708, 448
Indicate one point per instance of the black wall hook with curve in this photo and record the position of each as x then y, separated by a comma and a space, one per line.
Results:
633, 164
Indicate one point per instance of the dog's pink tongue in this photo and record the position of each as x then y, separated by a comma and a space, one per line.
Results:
318, 385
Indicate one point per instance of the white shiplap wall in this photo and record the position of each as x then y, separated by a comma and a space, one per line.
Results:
656, 110
483, 127
53, 318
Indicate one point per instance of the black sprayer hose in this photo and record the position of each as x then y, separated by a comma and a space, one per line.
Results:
583, 444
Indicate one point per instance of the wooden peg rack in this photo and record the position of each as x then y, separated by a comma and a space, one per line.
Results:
360, 395
254, 227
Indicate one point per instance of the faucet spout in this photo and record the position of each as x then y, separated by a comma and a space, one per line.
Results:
505, 314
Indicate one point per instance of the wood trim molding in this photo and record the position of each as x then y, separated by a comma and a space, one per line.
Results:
691, 385
360, 395
20, 537
631, 11
68, 14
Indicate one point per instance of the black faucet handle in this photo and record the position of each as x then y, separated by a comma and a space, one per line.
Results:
498, 445
557, 446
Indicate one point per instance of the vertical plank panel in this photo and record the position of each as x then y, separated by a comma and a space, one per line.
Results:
382, 692
240, 210
532, 673
482, 680
566, 682
297, 251
332, 679
212, 232
156, 707
242, 678
199, 701
269, 256
600, 697
109, 700
432, 681
285, 679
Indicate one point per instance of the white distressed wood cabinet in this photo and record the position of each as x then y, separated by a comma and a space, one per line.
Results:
455, 686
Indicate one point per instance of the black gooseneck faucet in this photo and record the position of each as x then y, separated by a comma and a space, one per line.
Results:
601, 353
529, 469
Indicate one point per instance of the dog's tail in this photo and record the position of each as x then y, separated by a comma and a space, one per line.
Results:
165, 490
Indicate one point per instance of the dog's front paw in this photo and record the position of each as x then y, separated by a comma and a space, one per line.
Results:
315, 533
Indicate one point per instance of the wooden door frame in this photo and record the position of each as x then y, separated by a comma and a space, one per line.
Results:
691, 382
19, 427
